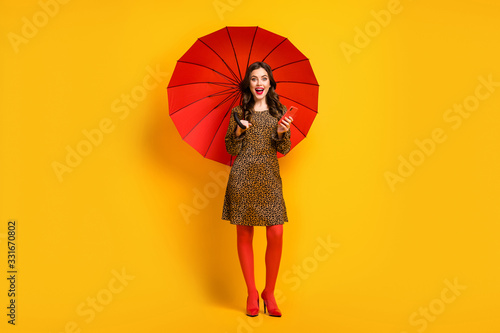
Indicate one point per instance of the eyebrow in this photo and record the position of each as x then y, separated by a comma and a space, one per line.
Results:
265, 75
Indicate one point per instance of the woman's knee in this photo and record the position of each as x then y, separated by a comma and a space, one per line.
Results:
244, 231
275, 232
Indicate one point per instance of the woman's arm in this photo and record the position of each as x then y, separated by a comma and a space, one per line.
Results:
282, 136
284, 144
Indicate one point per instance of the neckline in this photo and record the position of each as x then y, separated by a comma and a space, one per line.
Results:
262, 110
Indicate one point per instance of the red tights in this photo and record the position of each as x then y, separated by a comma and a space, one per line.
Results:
274, 235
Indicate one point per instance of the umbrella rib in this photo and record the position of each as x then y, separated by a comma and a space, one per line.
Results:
234, 51
222, 84
274, 48
213, 109
220, 124
299, 103
298, 82
291, 63
192, 63
251, 46
221, 93
229, 68
298, 129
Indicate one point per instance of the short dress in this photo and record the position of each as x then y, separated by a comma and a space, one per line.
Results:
254, 192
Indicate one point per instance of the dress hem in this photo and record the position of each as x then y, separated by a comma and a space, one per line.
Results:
254, 225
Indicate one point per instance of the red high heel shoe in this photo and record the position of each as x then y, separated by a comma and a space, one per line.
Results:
253, 312
273, 312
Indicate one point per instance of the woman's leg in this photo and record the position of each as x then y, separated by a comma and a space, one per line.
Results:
245, 254
273, 257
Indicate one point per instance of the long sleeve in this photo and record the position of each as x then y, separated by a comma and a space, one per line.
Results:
234, 143
284, 144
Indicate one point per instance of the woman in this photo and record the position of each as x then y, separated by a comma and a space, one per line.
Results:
254, 195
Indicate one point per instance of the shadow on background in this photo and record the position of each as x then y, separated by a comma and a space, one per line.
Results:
206, 242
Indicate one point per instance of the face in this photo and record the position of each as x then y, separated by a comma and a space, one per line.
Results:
259, 83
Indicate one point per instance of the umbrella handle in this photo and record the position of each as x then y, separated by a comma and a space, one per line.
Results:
240, 124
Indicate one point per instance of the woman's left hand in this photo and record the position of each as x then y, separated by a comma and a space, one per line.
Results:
284, 125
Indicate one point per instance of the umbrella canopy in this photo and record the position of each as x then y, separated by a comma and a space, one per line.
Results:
204, 86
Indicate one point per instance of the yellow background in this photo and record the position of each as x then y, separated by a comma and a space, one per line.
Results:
119, 209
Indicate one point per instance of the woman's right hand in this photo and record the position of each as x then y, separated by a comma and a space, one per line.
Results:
239, 130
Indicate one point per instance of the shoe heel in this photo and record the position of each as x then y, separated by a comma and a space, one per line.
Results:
272, 312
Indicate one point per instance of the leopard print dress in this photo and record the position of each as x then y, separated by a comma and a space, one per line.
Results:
254, 192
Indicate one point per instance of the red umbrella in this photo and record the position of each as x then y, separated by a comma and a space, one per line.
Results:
205, 85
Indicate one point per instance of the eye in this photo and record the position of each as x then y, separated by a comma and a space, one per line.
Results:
264, 79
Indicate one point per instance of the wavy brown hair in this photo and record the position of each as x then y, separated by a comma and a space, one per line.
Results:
276, 109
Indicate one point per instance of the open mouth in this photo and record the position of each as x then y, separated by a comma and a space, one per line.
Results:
259, 91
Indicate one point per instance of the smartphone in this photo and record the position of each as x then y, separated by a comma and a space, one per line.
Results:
290, 113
